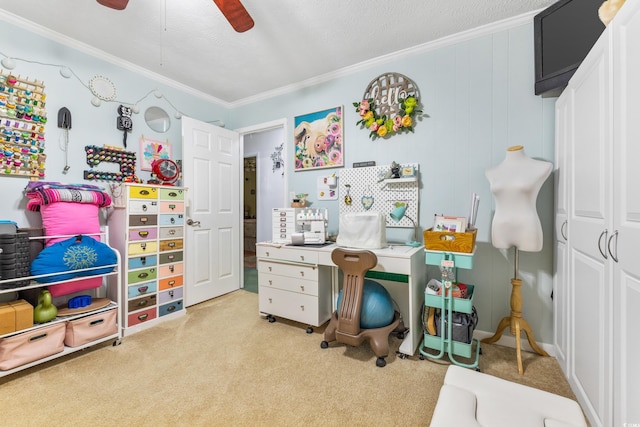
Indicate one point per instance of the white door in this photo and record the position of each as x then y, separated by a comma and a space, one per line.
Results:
211, 164
590, 222
625, 246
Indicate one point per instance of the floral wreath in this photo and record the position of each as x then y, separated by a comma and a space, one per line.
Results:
381, 126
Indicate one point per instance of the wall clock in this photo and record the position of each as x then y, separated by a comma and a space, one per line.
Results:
166, 171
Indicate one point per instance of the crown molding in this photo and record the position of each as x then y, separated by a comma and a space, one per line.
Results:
463, 36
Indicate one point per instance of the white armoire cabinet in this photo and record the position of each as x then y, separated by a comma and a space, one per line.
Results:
597, 260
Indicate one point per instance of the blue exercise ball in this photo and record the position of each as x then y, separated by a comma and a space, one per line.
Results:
377, 306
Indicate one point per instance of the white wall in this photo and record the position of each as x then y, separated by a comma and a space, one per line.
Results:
478, 98
477, 94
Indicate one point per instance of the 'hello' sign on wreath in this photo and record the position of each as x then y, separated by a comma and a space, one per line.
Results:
389, 105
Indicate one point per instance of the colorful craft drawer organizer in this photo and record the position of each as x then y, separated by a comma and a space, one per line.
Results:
22, 119
149, 231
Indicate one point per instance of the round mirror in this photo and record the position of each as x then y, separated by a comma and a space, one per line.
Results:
157, 119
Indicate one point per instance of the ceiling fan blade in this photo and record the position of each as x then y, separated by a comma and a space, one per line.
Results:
114, 4
236, 14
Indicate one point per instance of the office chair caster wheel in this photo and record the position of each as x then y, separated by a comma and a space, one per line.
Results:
271, 319
421, 357
400, 335
324, 344
380, 362
309, 330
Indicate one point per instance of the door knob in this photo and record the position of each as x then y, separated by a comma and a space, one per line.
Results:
192, 222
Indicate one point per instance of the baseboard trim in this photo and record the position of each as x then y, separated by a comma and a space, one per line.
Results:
508, 340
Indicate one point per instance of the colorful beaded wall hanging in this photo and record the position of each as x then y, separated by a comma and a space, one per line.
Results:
96, 155
22, 119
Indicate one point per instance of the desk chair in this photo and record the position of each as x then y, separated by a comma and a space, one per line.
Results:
344, 326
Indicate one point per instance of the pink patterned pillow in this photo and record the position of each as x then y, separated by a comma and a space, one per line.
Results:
68, 218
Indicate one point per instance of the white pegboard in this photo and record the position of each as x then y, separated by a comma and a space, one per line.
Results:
367, 182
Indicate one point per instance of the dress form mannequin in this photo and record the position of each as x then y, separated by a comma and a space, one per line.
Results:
515, 184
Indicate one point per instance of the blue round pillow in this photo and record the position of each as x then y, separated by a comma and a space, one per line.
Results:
377, 306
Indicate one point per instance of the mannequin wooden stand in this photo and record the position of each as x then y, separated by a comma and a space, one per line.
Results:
515, 322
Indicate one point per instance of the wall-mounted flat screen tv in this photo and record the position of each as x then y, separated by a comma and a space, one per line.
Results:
563, 34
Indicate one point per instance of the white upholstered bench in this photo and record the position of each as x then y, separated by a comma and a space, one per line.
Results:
469, 398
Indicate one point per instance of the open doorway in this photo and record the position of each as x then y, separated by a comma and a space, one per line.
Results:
249, 223
264, 180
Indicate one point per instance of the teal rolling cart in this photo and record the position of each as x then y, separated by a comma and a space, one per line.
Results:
449, 262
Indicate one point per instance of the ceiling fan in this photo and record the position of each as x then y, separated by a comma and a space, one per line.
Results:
233, 10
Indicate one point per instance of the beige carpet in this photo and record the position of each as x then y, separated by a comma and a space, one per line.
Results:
223, 364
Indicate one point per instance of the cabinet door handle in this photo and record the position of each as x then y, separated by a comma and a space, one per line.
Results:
269, 268
604, 233
563, 227
302, 273
613, 257
302, 288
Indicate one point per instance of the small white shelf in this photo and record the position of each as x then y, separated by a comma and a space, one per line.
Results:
400, 180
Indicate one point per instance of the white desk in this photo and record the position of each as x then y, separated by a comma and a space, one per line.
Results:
405, 277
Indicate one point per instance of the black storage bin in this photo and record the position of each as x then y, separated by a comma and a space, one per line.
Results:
14, 259
463, 325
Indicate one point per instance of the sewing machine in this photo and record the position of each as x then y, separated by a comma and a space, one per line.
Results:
300, 226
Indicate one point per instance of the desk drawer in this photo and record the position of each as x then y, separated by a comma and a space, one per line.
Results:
141, 289
171, 194
137, 276
143, 207
143, 234
170, 245
140, 303
141, 317
143, 192
143, 261
171, 282
143, 220
306, 287
171, 232
298, 254
172, 219
393, 265
170, 270
171, 207
290, 305
170, 295
295, 271
171, 257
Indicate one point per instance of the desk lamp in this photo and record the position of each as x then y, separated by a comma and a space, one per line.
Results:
397, 214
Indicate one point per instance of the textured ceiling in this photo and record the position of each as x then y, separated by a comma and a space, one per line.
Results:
292, 41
